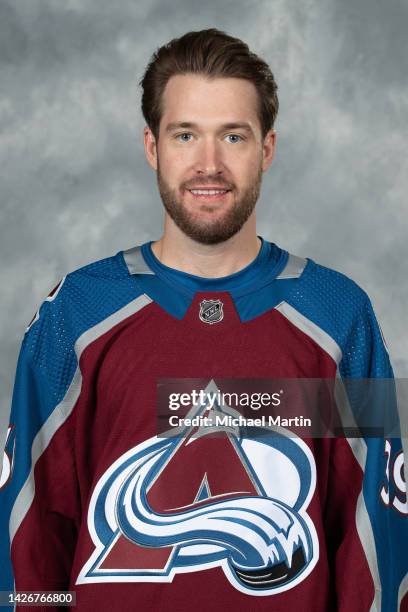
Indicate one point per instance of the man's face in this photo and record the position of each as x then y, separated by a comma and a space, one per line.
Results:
210, 155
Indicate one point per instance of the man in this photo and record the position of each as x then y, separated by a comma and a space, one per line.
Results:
94, 501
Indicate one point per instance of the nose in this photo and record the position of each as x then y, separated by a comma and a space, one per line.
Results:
209, 158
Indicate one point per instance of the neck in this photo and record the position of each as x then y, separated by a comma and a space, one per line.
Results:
178, 251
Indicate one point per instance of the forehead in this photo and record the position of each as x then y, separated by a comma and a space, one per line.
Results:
198, 99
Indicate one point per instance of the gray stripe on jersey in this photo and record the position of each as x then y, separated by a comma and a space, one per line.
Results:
62, 411
357, 445
135, 261
312, 330
403, 588
294, 267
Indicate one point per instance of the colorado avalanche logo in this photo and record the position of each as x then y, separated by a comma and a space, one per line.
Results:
196, 501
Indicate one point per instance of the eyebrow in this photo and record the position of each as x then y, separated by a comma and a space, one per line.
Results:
225, 126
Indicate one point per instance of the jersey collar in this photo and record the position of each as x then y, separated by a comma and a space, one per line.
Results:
266, 266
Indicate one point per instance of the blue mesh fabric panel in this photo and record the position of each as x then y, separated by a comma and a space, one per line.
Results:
87, 296
342, 309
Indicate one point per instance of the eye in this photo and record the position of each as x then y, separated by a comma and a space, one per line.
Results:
236, 137
184, 137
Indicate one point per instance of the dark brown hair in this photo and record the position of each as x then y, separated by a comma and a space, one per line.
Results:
212, 53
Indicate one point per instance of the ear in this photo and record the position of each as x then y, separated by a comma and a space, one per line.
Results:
150, 147
268, 149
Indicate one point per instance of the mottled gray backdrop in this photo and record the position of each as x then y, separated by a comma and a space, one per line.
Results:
75, 185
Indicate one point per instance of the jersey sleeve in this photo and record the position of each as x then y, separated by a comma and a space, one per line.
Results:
380, 511
39, 502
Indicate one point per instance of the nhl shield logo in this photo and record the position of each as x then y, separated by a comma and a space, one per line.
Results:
211, 311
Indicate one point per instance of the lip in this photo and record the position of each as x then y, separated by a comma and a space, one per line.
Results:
209, 197
223, 187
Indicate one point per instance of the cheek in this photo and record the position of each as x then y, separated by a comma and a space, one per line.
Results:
174, 164
245, 168
246, 160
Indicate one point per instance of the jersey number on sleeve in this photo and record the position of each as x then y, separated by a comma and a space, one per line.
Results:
394, 475
8, 460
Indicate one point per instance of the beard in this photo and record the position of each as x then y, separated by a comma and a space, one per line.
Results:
219, 229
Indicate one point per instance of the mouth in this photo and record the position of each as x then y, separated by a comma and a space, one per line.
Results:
209, 195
